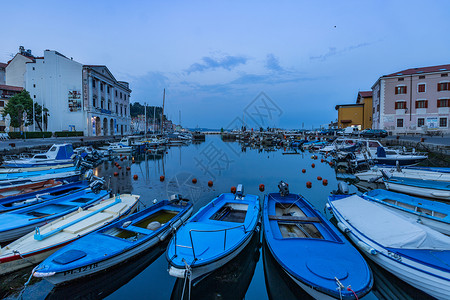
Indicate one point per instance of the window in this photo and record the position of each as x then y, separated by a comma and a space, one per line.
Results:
378, 94
399, 122
421, 88
2, 103
124, 97
116, 93
373, 110
443, 103
102, 103
443, 86
121, 110
422, 104
94, 101
400, 89
378, 107
117, 109
420, 122
120, 95
422, 77
34, 85
93, 83
444, 75
34, 69
400, 105
125, 110
107, 89
401, 79
101, 86
442, 122
34, 96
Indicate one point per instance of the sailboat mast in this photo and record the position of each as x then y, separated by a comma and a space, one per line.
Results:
162, 116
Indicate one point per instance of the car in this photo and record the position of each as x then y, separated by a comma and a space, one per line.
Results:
376, 133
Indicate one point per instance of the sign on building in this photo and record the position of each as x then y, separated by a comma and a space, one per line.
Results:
74, 99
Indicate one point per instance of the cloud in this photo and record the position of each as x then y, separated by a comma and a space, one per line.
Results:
272, 63
209, 63
334, 51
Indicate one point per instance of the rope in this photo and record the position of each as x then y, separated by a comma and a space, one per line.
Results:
187, 277
349, 288
28, 281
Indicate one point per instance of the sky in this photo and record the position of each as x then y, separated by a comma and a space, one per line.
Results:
264, 63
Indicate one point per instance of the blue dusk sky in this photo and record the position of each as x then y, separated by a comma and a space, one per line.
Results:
214, 58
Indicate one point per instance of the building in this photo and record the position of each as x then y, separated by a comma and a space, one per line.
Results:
3, 73
6, 92
358, 114
78, 97
413, 101
16, 67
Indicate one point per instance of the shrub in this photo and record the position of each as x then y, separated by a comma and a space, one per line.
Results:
68, 133
30, 135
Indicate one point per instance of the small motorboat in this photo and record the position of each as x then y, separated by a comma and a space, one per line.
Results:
389, 157
411, 251
58, 154
116, 243
17, 223
38, 245
214, 235
117, 148
33, 169
9, 192
376, 173
68, 175
47, 193
433, 214
310, 250
423, 188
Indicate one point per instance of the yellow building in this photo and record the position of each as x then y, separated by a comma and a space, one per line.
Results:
358, 114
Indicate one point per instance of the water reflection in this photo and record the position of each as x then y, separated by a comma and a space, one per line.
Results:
228, 282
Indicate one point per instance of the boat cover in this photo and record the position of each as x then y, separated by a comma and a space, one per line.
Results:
387, 228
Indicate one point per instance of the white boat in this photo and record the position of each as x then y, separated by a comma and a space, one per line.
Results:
58, 154
117, 148
375, 174
33, 169
350, 144
411, 251
423, 188
39, 244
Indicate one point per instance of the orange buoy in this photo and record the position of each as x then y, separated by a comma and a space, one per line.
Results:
133, 161
233, 189
322, 160
210, 183
331, 164
308, 184
116, 174
194, 180
128, 168
325, 182
121, 159
135, 177
119, 167
125, 157
120, 155
262, 187
313, 165
161, 178
303, 170
319, 178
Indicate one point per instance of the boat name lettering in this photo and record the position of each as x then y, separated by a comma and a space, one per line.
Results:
81, 269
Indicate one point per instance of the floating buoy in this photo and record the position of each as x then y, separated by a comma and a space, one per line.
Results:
167, 152
121, 159
262, 187
331, 163
128, 168
319, 178
313, 165
233, 189
120, 155
325, 182
308, 184
119, 167
116, 174
161, 178
125, 157
135, 177
303, 170
210, 183
322, 160
194, 180
133, 161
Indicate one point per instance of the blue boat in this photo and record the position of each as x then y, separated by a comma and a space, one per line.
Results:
433, 214
22, 221
419, 187
311, 250
12, 176
214, 235
17, 202
114, 244
58, 154
17, 179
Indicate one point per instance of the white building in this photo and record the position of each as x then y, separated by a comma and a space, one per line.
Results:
79, 97
16, 68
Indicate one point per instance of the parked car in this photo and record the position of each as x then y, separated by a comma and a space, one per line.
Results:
375, 133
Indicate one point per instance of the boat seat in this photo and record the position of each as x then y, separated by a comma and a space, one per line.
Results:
294, 218
139, 229
90, 222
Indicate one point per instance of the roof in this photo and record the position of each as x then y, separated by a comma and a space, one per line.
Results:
440, 68
365, 94
348, 105
10, 88
3, 65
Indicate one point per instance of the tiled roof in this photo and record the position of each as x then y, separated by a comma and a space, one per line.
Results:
366, 94
412, 71
3, 65
10, 88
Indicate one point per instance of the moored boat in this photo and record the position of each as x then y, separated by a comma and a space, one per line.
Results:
115, 243
14, 191
310, 250
58, 154
36, 246
19, 222
214, 235
376, 174
424, 188
433, 214
411, 251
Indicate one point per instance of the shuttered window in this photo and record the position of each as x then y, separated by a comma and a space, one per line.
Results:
422, 104
400, 105
443, 103
421, 88
443, 86
400, 89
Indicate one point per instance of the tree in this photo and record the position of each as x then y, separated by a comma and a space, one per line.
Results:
20, 109
38, 116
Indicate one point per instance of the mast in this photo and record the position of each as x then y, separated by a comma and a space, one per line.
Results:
145, 127
162, 116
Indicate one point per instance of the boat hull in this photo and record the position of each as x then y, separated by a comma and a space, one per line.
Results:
418, 191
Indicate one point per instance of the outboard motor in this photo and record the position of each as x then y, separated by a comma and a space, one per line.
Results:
89, 175
77, 162
175, 198
342, 189
284, 188
239, 191
97, 185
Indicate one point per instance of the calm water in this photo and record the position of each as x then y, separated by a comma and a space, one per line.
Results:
253, 274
